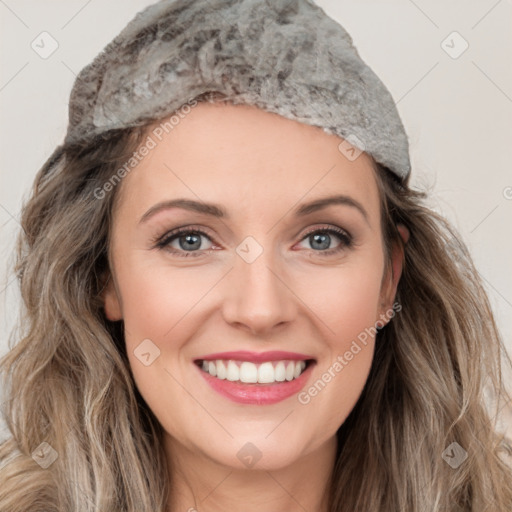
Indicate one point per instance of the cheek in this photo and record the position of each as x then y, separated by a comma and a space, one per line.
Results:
157, 299
161, 313
158, 305
347, 305
346, 300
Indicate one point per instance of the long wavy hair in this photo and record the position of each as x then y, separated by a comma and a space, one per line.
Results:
436, 376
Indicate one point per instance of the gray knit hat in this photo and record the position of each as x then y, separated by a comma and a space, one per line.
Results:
284, 56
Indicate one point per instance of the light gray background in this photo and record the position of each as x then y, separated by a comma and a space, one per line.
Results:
457, 111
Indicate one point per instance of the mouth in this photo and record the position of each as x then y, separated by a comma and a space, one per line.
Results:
255, 383
268, 372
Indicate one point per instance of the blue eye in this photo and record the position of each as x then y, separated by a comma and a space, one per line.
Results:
321, 238
190, 240
187, 239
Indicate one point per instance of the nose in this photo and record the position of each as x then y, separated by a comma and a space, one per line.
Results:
258, 298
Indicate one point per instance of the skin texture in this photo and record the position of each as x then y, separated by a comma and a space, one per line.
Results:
259, 167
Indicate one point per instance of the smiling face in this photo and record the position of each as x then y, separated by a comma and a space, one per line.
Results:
268, 266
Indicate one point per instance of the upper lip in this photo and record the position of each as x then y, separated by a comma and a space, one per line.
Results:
256, 357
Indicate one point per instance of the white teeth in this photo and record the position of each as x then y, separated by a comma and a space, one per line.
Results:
266, 373
221, 370
233, 372
290, 370
247, 372
279, 372
299, 368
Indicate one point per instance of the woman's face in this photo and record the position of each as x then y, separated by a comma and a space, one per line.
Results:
277, 273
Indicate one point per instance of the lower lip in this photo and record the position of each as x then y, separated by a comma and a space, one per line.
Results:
257, 394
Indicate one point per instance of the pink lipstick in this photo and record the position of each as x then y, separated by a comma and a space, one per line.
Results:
256, 378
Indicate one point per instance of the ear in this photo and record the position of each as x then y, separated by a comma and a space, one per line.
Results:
111, 302
392, 277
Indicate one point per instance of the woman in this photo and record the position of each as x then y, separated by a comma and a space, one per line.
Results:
234, 299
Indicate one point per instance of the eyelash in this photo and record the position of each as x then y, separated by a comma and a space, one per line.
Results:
163, 241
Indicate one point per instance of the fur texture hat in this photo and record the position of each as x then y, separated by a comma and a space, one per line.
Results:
284, 56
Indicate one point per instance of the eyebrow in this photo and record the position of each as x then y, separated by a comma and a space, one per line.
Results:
215, 210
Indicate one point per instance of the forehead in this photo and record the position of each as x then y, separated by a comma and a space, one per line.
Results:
245, 157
